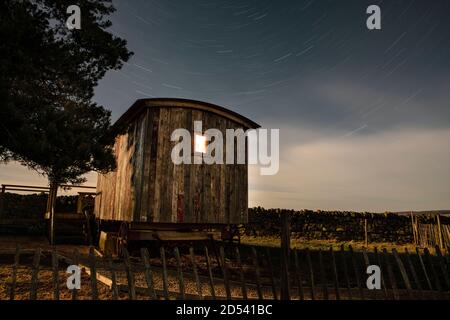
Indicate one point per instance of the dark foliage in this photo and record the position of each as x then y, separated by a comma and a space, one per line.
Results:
48, 121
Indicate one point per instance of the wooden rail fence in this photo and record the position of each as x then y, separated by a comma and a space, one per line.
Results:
240, 272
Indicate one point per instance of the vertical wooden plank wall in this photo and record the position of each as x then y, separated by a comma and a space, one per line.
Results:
148, 187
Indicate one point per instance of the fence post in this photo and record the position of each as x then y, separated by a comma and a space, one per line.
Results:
414, 273
226, 280
2, 201
391, 274
335, 274
194, 270
114, 289
442, 265
344, 265
272, 275
413, 229
417, 229
298, 277
403, 273
55, 269
366, 237
433, 272
438, 219
323, 277
34, 274
93, 271
241, 271
211, 281
311, 273
14, 275
165, 277
180, 274
257, 274
357, 273
285, 253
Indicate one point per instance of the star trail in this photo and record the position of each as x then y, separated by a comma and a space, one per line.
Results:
312, 69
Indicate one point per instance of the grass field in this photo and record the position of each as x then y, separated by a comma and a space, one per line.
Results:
324, 244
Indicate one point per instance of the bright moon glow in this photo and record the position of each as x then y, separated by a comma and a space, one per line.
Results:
200, 143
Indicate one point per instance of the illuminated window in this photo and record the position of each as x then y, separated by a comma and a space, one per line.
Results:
200, 143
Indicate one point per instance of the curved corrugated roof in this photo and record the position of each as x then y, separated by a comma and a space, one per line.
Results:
141, 104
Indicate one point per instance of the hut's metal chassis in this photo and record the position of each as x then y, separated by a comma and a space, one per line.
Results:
127, 233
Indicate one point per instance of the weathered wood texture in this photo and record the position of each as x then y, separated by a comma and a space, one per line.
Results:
148, 187
254, 273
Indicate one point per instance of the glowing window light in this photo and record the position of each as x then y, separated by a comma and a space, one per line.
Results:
200, 143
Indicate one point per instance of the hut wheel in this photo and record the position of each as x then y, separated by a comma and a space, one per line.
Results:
122, 239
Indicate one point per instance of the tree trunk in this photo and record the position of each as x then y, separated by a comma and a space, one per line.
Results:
51, 202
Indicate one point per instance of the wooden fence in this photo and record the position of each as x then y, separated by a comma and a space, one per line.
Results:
431, 234
242, 272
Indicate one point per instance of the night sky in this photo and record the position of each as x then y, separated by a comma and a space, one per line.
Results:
364, 116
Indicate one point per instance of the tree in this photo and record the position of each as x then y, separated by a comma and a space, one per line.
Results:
48, 74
